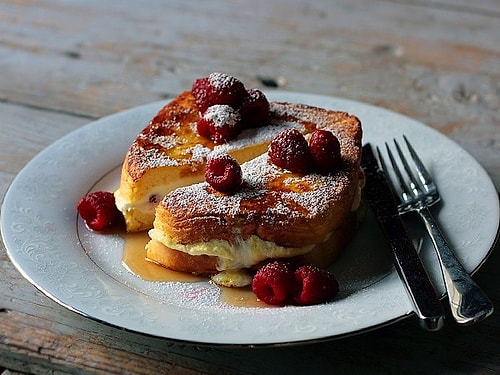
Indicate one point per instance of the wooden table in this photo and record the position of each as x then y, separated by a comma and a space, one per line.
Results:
66, 63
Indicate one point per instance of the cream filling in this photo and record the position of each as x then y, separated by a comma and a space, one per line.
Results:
125, 205
143, 205
243, 253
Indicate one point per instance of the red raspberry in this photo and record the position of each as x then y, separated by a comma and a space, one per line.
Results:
314, 285
203, 127
325, 150
99, 211
218, 88
200, 93
289, 150
274, 283
254, 109
223, 173
225, 89
220, 123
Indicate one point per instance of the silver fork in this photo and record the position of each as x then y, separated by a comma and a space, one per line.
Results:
468, 303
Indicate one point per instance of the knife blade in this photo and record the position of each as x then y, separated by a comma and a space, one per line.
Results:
377, 192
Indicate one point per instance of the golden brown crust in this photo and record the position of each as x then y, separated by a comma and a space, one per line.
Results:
151, 148
325, 253
288, 218
170, 140
169, 153
289, 209
180, 261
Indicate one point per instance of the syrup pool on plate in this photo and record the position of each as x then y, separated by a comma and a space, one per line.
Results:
134, 259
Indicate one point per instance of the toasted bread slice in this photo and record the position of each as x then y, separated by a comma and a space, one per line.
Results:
169, 153
277, 214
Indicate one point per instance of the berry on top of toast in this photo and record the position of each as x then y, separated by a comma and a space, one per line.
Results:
226, 107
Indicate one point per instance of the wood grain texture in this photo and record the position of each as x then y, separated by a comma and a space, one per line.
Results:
436, 62
63, 64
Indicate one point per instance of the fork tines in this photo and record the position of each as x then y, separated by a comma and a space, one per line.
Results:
415, 186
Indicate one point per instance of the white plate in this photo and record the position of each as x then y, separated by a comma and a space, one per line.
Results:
82, 271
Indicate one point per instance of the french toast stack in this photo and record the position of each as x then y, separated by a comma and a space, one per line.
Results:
274, 213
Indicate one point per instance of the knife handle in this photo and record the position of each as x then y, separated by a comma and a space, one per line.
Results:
411, 271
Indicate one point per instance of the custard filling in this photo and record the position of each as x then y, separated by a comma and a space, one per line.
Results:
242, 253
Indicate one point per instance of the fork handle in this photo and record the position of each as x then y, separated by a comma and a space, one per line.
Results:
468, 303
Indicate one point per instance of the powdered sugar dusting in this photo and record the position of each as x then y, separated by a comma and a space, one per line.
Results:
287, 195
249, 137
222, 115
269, 192
199, 153
177, 143
152, 150
155, 158
299, 195
220, 80
164, 141
273, 201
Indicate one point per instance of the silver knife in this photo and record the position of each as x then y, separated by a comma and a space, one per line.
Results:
378, 194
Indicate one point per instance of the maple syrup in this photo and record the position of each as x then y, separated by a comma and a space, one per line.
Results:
134, 259
241, 297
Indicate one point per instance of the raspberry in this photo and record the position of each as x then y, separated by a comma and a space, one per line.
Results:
280, 283
200, 93
220, 123
218, 88
223, 173
289, 150
274, 283
225, 89
314, 285
203, 127
254, 109
99, 211
325, 150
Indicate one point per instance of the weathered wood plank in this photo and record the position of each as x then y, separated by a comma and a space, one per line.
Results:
63, 64
442, 66
485, 7
343, 49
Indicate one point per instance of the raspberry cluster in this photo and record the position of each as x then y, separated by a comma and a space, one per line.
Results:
280, 283
227, 107
98, 211
290, 150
